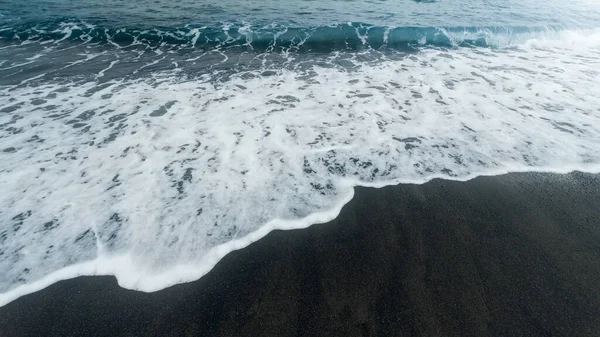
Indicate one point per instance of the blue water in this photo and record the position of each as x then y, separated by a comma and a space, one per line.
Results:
151, 14
269, 29
329, 25
147, 139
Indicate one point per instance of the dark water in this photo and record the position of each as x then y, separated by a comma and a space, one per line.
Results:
151, 14
68, 34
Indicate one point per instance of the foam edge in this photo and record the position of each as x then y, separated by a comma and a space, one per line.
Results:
121, 266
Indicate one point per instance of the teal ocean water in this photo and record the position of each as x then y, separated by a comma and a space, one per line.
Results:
148, 139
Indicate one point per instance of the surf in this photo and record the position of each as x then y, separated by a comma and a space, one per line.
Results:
277, 38
154, 177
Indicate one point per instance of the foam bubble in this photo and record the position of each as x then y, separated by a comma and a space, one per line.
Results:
155, 178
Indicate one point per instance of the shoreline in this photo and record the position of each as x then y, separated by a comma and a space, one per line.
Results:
445, 257
120, 266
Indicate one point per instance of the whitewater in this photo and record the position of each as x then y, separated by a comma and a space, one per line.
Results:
149, 154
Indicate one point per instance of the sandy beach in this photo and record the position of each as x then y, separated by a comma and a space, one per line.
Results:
511, 255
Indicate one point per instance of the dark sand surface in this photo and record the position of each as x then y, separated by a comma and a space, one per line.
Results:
515, 255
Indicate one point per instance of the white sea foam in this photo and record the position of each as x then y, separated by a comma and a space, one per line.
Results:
155, 179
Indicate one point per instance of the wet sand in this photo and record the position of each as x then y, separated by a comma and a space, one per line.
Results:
514, 255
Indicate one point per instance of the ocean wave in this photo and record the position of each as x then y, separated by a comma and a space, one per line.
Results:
346, 36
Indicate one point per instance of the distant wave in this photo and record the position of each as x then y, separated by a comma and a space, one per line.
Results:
347, 36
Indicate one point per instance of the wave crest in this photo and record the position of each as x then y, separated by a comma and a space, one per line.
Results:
275, 38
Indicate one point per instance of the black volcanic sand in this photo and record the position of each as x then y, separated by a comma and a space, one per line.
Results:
514, 255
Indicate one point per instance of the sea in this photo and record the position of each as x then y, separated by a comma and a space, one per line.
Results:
148, 139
